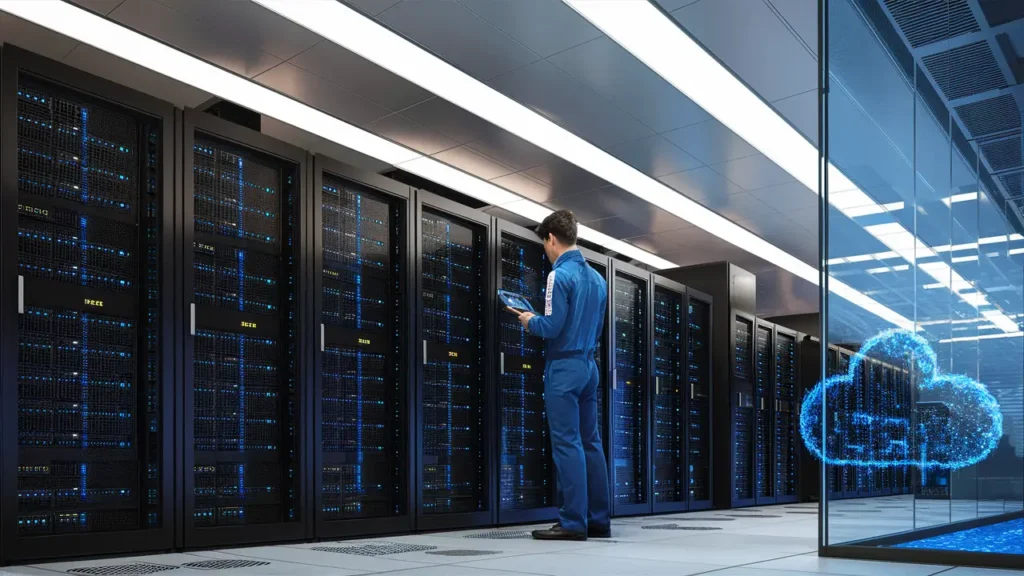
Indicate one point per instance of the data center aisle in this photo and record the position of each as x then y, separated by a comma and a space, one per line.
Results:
764, 541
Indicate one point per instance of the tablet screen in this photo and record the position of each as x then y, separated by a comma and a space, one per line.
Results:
514, 300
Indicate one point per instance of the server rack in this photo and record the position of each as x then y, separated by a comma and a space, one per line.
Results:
87, 338
630, 394
787, 408
602, 354
244, 398
836, 474
764, 425
526, 474
744, 457
670, 402
362, 305
809, 488
700, 441
456, 299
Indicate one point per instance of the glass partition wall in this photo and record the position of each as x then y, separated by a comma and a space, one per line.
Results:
921, 432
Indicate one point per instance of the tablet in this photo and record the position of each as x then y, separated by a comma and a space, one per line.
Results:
514, 300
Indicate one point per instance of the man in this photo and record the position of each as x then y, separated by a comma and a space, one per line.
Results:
574, 309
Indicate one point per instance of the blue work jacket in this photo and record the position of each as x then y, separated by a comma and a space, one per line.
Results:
575, 303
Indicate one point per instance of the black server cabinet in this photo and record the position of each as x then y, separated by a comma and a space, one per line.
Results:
456, 301
742, 412
697, 388
244, 403
809, 466
764, 399
602, 353
87, 339
786, 421
361, 397
835, 476
526, 473
671, 398
630, 395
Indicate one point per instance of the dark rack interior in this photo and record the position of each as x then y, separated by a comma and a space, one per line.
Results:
629, 393
244, 355
526, 473
363, 414
453, 458
698, 391
669, 437
88, 388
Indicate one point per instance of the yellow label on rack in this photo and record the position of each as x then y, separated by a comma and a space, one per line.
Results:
248, 324
206, 247
364, 340
33, 210
527, 367
453, 354
96, 303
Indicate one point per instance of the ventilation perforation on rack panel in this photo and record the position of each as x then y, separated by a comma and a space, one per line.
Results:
629, 397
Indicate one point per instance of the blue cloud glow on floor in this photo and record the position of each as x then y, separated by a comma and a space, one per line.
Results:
1002, 538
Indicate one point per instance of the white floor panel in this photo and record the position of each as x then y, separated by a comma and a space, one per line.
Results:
572, 564
843, 567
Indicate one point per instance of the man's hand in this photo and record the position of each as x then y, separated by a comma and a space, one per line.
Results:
524, 317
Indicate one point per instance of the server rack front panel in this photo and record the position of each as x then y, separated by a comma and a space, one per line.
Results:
669, 473
455, 299
744, 453
243, 414
362, 468
764, 430
833, 474
87, 465
699, 443
526, 481
629, 407
787, 439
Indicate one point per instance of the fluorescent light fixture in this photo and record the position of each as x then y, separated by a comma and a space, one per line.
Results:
983, 337
354, 31
658, 42
963, 197
1015, 251
959, 259
883, 269
125, 43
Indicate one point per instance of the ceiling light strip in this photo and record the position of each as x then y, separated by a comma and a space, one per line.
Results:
356, 32
125, 43
658, 42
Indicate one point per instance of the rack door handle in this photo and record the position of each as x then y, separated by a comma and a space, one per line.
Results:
21, 294
192, 319
693, 393
424, 352
657, 385
762, 402
615, 379
323, 344
501, 362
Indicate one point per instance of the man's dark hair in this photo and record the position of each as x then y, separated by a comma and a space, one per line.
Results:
561, 223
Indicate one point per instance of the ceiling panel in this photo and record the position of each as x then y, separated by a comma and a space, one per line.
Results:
564, 178
99, 6
449, 30
319, 93
277, 35
807, 218
239, 52
412, 134
343, 68
608, 69
477, 164
616, 227
655, 156
754, 43
317, 145
511, 149
526, 185
653, 219
102, 64
701, 184
655, 243
35, 38
802, 17
544, 26
787, 197
711, 142
372, 7
802, 112
447, 118
740, 206
670, 5
600, 203
752, 172
581, 110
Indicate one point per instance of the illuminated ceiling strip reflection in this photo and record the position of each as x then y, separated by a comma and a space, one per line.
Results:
657, 41
125, 43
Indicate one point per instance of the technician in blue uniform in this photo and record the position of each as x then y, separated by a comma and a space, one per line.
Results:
574, 310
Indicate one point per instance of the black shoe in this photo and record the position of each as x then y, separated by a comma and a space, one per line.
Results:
599, 532
557, 533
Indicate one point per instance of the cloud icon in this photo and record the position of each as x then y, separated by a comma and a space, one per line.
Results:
955, 423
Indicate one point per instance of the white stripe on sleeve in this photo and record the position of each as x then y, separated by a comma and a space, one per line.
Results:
547, 293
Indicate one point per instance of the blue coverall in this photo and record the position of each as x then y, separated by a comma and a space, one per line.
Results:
574, 309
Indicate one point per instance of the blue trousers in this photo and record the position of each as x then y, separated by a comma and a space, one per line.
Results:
570, 396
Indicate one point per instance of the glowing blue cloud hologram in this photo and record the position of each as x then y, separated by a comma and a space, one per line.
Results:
958, 425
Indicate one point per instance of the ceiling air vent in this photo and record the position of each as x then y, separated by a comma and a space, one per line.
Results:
927, 22
992, 115
965, 70
1002, 154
